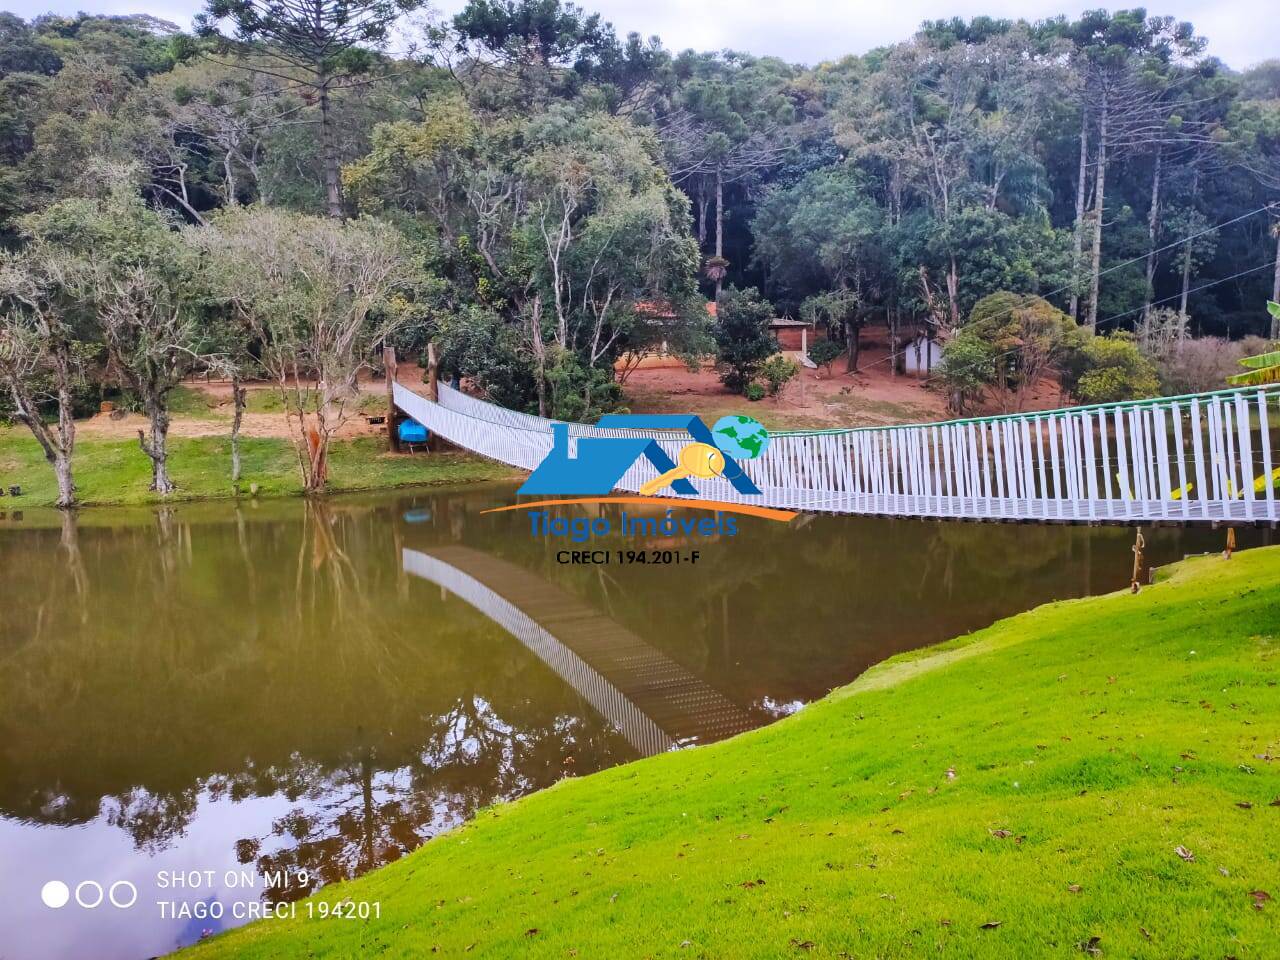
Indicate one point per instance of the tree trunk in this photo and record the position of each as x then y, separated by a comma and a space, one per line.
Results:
66, 483
1186, 259
1275, 288
953, 292
433, 372
1153, 230
238, 398
539, 352
853, 343
1099, 203
893, 342
1186, 283
390, 371
1078, 240
702, 217
317, 459
329, 155
719, 229
58, 443
156, 447
66, 429
229, 178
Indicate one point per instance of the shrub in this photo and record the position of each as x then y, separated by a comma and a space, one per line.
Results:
1159, 332
1029, 338
778, 371
1203, 364
824, 353
966, 369
754, 392
742, 337
1115, 370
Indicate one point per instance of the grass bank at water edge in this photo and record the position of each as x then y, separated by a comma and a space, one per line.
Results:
1095, 777
117, 472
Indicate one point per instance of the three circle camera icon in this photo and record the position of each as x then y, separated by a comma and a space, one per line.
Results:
89, 894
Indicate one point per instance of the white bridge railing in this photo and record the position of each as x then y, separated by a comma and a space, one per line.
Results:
1201, 458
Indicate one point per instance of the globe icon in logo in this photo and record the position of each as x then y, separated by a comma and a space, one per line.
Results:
740, 437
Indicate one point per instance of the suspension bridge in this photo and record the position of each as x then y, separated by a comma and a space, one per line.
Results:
1202, 458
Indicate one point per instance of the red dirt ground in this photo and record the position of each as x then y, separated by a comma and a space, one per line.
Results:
871, 397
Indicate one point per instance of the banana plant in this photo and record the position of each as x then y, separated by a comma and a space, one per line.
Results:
1262, 369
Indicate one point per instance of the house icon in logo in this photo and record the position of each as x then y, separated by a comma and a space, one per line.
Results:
598, 463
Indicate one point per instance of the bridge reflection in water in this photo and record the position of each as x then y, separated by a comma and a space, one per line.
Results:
657, 704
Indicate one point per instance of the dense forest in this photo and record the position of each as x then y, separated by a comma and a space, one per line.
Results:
293, 185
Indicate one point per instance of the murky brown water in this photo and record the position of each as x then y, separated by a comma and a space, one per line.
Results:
285, 687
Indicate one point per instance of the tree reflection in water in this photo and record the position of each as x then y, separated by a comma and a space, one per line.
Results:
377, 717
353, 817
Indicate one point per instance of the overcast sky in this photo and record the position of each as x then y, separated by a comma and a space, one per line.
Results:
1240, 32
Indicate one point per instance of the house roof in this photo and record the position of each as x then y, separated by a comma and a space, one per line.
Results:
661, 309
599, 465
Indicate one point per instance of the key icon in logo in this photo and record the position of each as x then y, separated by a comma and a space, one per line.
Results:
700, 460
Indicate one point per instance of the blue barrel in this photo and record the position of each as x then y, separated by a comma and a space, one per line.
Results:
411, 431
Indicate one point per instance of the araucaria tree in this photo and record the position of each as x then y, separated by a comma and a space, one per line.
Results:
1127, 70
319, 46
319, 295
728, 127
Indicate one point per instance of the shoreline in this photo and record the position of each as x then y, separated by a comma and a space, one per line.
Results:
115, 473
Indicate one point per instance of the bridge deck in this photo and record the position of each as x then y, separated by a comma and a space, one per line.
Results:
655, 702
1206, 458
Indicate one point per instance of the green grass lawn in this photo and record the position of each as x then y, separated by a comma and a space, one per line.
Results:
1095, 777
260, 398
117, 472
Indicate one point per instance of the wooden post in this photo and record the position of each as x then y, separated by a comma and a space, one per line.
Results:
433, 373
389, 368
1138, 544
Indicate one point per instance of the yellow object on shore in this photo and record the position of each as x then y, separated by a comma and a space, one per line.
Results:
1260, 484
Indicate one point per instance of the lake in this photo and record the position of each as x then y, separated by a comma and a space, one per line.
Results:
201, 699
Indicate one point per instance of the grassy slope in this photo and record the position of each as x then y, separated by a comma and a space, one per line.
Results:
117, 472
1101, 734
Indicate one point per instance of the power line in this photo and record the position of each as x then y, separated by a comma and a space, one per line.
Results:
1206, 286
1008, 353
1275, 205
1177, 243
1119, 266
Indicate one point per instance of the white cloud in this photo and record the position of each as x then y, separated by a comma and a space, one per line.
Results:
811, 30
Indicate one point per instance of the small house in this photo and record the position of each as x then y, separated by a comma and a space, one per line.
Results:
655, 354
921, 355
791, 334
